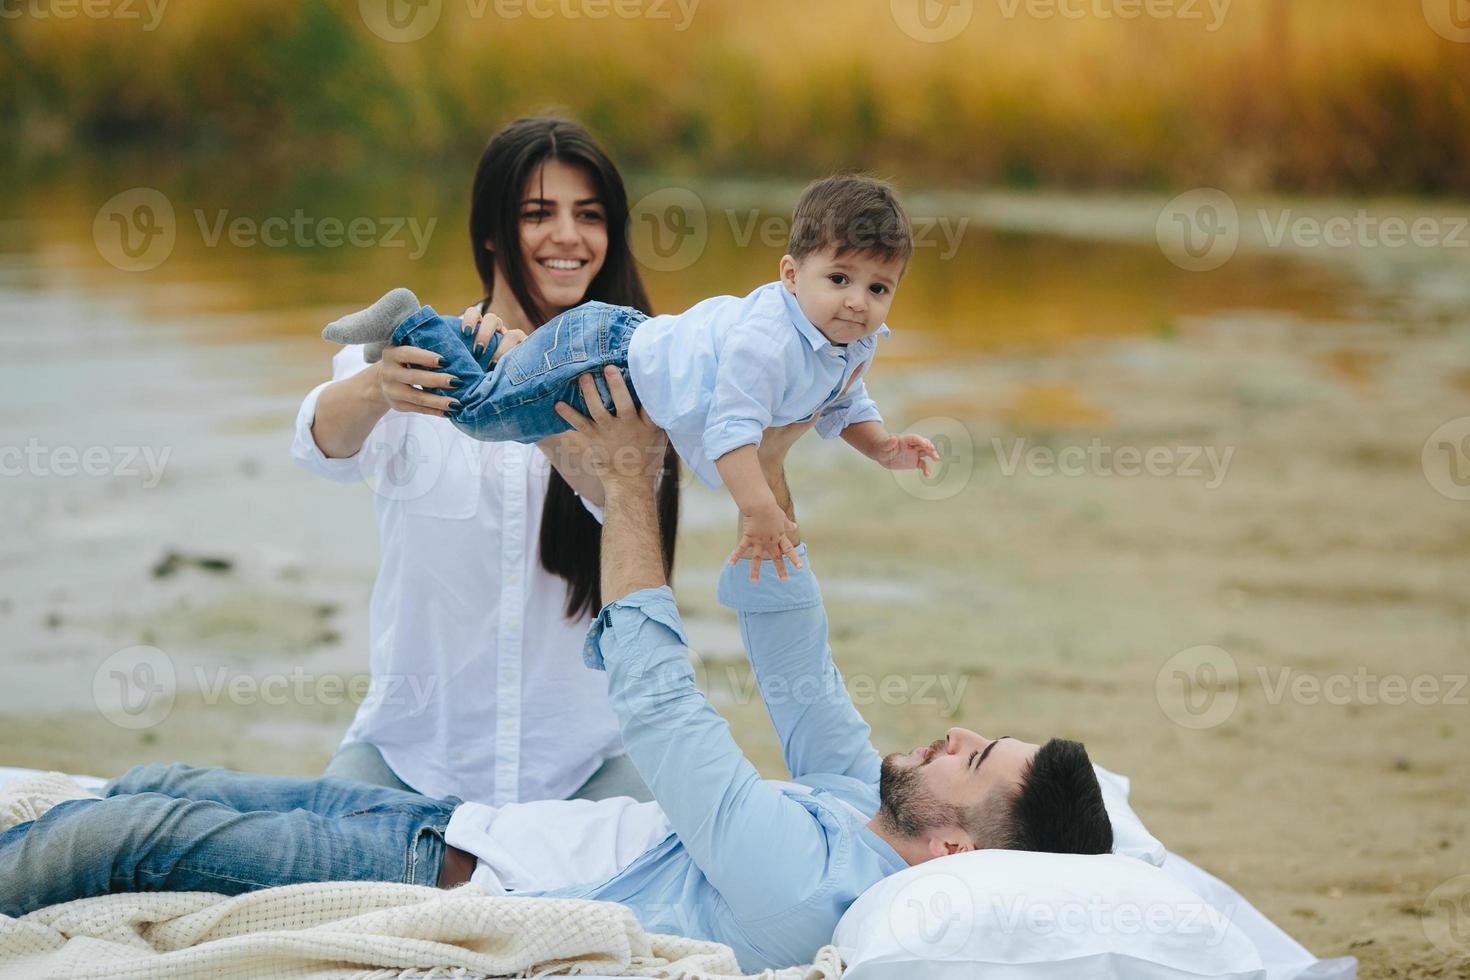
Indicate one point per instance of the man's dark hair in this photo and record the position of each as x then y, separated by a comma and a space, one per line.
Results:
1059, 807
851, 213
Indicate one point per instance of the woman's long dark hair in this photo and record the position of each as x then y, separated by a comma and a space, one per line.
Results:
571, 538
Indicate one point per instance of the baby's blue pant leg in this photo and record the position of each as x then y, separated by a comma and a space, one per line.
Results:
444, 336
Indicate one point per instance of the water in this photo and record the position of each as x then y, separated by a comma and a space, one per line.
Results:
148, 408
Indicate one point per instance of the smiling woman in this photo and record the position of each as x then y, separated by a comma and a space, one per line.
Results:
513, 714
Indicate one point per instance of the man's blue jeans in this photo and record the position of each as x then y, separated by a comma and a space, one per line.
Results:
177, 828
515, 401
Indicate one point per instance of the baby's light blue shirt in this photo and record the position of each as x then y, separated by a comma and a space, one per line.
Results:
717, 375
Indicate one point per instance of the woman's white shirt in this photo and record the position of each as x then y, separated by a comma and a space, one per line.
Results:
479, 690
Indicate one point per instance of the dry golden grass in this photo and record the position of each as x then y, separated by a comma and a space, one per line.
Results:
1309, 95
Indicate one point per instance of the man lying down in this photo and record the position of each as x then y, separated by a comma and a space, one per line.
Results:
765, 867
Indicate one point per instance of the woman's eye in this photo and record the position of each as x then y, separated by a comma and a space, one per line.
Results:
592, 216
540, 214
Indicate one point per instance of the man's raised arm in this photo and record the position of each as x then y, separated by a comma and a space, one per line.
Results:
784, 629
752, 842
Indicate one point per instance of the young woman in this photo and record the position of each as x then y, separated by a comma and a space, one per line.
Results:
479, 690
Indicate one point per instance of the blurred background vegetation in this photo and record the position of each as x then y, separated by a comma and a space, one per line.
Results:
1315, 96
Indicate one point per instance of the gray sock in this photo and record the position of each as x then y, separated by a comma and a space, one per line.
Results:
374, 326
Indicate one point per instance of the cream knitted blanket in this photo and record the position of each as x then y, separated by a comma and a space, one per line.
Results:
365, 930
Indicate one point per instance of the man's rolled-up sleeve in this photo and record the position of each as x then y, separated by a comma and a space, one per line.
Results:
784, 628
763, 850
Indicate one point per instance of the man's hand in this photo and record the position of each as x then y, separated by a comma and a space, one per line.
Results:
906, 452
626, 448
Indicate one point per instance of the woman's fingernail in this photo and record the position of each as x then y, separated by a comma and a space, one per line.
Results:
455, 382
441, 363
455, 406
479, 350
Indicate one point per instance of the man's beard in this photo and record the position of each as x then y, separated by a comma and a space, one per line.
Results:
908, 806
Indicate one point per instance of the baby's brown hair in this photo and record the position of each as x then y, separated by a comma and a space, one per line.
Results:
851, 213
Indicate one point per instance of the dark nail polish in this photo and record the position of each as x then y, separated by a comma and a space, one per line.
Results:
479, 351
455, 406
455, 382
441, 363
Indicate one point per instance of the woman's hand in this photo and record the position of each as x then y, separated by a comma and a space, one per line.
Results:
404, 367
484, 328
624, 449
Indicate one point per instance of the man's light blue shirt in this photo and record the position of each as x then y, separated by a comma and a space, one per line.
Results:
761, 866
719, 374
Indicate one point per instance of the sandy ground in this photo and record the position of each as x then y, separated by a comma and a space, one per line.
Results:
1307, 579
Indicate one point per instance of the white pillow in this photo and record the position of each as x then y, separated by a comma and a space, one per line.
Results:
1019, 915
1130, 837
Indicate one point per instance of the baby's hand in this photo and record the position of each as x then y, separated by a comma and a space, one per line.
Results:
763, 534
906, 452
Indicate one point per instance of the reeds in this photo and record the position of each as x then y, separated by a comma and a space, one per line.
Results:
1299, 95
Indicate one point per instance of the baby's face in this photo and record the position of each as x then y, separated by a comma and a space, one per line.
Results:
846, 298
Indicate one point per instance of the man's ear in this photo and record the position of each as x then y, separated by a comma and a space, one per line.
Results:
949, 840
788, 273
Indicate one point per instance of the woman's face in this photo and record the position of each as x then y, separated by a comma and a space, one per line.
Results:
563, 233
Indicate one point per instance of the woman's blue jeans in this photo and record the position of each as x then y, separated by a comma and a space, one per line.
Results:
177, 828
515, 400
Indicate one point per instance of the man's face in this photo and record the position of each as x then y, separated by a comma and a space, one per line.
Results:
933, 785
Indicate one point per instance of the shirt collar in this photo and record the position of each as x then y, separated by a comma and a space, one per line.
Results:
811, 334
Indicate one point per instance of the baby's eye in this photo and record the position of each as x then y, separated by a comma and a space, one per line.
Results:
838, 279
877, 290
